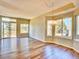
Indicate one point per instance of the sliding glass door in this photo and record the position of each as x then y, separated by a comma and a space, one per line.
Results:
13, 29
5, 29
8, 28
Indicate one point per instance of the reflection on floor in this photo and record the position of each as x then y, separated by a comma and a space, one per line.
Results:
27, 48
66, 42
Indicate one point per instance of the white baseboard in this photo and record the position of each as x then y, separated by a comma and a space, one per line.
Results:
76, 39
38, 39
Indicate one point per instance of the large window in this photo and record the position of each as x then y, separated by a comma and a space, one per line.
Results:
77, 25
4, 19
58, 28
8, 27
11, 27
67, 27
64, 27
23, 28
49, 27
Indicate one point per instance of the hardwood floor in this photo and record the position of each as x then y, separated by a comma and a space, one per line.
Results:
27, 48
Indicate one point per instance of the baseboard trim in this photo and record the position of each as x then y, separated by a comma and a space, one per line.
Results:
63, 45
76, 40
37, 39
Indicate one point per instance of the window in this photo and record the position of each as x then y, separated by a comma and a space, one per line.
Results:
24, 28
5, 30
13, 29
8, 19
8, 27
77, 25
67, 26
49, 28
58, 28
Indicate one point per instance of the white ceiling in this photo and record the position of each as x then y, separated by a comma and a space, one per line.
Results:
29, 8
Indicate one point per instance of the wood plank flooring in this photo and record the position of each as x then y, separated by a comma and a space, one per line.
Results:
27, 48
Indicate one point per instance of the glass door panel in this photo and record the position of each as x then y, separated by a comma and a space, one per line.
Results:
13, 29
8, 27
5, 30
2, 31
8, 30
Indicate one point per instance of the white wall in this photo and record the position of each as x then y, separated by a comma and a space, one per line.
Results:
37, 28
